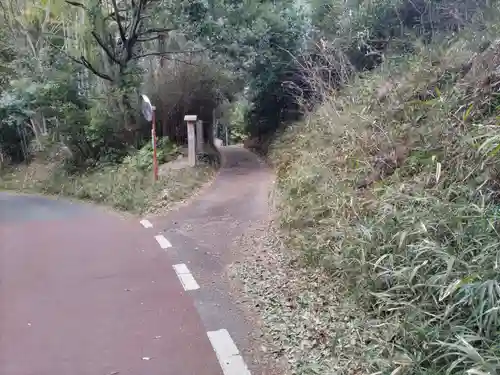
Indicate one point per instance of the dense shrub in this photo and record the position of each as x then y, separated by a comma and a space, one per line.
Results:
143, 158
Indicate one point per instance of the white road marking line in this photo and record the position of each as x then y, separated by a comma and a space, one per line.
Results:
163, 242
146, 224
229, 357
186, 278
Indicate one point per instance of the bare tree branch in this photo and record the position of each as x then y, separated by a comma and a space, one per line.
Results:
84, 62
118, 13
155, 30
74, 3
105, 48
89, 66
136, 19
130, 20
166, 53
134, 25
118, 21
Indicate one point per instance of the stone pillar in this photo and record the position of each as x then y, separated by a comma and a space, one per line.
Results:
199, 136
218, 142
191, 120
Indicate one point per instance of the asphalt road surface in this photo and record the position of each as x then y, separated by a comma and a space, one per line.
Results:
83, 292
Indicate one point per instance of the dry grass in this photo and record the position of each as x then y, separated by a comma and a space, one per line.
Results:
122, 187
392, 188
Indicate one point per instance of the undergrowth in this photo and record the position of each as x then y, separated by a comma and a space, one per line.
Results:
392, 187
127, 186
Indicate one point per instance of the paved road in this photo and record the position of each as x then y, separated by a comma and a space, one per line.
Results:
83, 292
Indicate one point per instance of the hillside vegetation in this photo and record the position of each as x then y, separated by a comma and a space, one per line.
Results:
391, 186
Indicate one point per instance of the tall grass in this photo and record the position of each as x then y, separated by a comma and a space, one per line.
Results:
396, 195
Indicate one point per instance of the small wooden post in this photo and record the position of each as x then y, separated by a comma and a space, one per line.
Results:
191, 120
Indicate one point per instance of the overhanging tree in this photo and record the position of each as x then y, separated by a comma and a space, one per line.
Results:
123, 33
126, 33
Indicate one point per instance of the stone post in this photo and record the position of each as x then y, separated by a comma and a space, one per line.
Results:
199, 136
191, 120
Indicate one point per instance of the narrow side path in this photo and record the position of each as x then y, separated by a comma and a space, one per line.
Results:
203, 232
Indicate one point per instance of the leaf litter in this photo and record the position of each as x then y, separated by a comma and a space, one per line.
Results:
307, 321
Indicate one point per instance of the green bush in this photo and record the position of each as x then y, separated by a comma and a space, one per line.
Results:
143, 158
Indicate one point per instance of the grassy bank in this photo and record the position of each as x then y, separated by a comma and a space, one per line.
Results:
124, 187
391, 189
